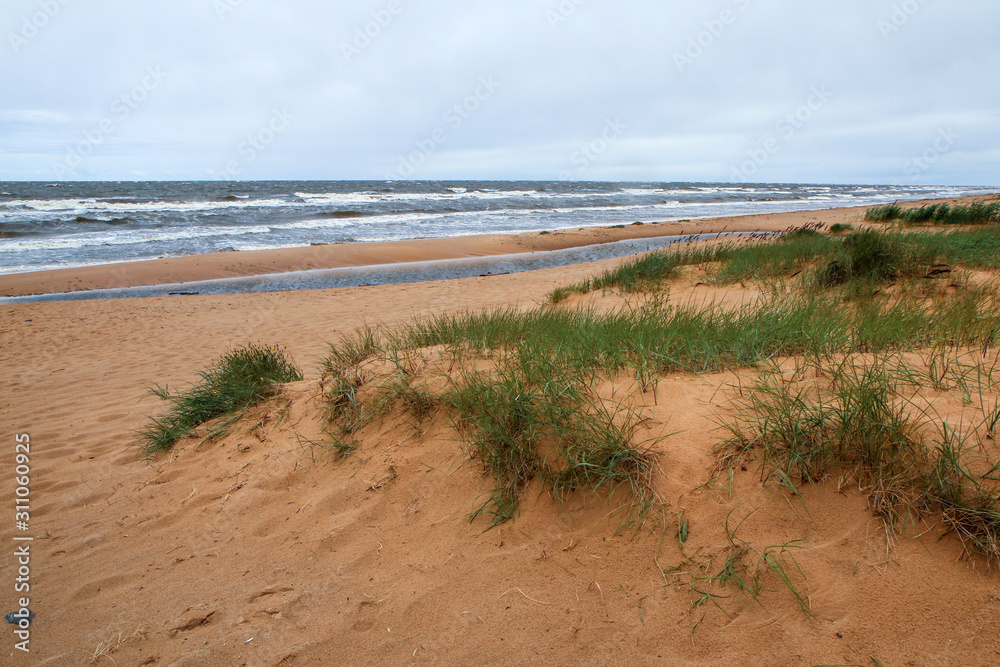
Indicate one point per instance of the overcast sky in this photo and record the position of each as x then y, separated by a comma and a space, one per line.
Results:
856, 91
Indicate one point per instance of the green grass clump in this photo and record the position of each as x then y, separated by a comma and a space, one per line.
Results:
840, 228
532, 416
976, 213
860, 421
884, 213
343, 410
868, 256
741, 260
766, 259
350, 351
560, 294
239, 380
503, 415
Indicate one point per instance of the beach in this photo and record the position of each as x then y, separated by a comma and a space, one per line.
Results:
262, 549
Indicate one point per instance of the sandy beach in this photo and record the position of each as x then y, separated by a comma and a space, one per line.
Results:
261, 549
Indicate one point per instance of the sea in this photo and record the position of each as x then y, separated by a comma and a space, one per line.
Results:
74, 224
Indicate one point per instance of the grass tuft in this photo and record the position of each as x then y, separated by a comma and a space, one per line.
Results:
976, 213
239, 380
858, 418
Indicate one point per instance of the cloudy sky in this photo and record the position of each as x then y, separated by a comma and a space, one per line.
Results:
856, 91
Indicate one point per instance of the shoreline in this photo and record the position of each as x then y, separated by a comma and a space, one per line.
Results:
225, 265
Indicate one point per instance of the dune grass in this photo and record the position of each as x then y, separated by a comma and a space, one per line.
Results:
534, 416
530, 415
708, 339
861, 257
551, 345
239, 380
860, 417
976, 213
533, 411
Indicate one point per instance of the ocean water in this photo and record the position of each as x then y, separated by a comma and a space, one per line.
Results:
59, 225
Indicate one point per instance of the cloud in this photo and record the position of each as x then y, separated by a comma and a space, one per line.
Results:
701, 87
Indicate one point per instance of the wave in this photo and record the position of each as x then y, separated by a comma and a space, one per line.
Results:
113, 221
97, 205
344, 214
130, 237
368, 197
17, 233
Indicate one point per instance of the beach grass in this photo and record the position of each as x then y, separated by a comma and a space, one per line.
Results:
239, 380
976, 213
867, 256
530, 415
533, 412
860, 417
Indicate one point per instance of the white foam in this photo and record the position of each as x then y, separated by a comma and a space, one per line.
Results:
126, 237
78, 206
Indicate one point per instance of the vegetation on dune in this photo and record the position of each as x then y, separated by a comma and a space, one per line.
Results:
534, 412
976, 213
819, 260
528, 389
241, 379
860, 417
528, 415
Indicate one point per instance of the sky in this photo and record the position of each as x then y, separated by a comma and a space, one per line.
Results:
757, 91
